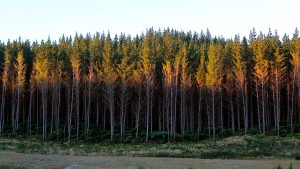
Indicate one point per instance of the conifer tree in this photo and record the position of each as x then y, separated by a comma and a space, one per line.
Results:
20, 83
148, 68
125, 72
213, 80
201, 81
261, 73
109, 77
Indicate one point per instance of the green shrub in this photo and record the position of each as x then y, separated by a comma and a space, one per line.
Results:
278, 167
2, 148
190, 135
159, 136
253, 131
297, 156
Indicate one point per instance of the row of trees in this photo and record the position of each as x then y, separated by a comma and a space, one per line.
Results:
159, 81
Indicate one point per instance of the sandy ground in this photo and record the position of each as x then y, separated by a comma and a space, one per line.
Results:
63, 161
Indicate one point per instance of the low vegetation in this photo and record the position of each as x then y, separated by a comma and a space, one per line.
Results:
236, 147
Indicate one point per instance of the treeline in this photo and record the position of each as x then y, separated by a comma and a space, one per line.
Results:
169, 81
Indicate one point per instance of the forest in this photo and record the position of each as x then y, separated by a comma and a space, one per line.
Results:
100, 87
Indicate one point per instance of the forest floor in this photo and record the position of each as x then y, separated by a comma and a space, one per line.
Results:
233, 152
19, 160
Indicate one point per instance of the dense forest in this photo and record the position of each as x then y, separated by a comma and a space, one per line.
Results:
173, 82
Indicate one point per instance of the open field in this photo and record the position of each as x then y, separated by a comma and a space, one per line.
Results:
61, 161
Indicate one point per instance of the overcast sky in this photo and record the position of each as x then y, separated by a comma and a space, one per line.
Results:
38, 19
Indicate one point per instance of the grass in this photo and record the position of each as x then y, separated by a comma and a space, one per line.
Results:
236, 147
279, 166
10, 166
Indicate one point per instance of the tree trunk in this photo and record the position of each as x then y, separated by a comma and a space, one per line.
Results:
213, 114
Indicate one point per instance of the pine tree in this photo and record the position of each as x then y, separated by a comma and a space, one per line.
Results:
148, 68
109, 77
201, 81
20, 83
124, 69
41, 66
240, 70
295, 62
261, 73
213, 79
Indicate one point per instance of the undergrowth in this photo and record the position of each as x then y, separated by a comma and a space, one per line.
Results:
235, 147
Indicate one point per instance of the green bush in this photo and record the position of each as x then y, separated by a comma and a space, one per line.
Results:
2, 148
190, 135
297, 156
279, 166
159, 136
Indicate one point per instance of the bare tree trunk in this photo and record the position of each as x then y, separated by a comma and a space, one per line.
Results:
292, 108
277, 105
37, 111
183, 110
263, 107
13, 106
18, 109
2, 115
258, 107
58, 106
44, 107
199, 112
208, 118
245, 107
111, 105
30, 112
232, 114
77, 105
221, 113
89, 106
213, 114
238, 111
123, 103
138, 109
148, 100
70, 111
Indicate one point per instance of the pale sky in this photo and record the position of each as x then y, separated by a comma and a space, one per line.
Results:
38, 19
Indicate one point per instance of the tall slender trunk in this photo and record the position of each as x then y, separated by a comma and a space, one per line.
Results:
58, 107
213, 114
245, 107
44, 110
18, 109
30, 112
70, 110
13, 107
111, 105
89, 107
2, 115
277, 103
221, 112
199, 122
147, 109
263, 107
77, 106
258, 107
208, 118
293, 107
232, 113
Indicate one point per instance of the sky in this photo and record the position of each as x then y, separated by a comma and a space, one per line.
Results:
40, 19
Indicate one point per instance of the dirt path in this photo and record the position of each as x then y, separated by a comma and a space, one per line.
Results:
62, 161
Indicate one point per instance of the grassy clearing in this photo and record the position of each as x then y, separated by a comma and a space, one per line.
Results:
33, 161
237, 147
